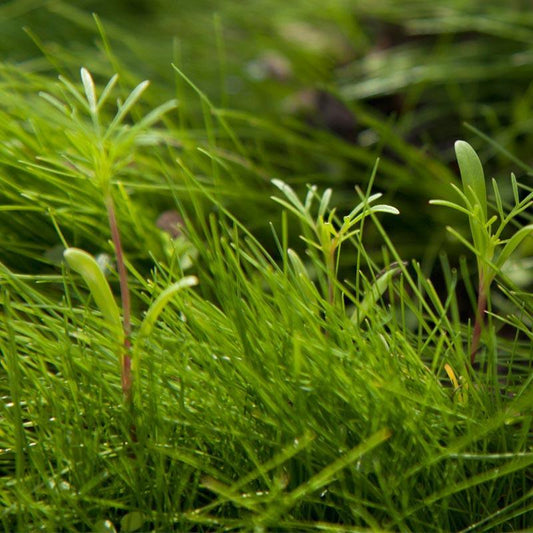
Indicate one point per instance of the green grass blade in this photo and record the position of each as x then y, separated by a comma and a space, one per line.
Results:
373, 295
161, 301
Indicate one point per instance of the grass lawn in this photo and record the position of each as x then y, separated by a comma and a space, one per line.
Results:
283, 286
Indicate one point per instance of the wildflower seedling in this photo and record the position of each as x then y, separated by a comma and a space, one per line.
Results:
485, 241
100, 154
88, 268
325, 234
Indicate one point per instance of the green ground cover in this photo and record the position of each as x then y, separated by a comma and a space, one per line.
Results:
309, 308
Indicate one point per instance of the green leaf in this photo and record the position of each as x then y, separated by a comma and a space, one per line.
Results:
514, 186
364, 205
107, 90
290, 194
55, 102
297, 264
324, 202
131, 100
85, 265
132, 522
311, 193
158, 305
498, 199
451, 205
90, 93
155, 310
384, 208
74, 92
306, 287
373, 295
153, 116
512, 244
472, 176
301, 214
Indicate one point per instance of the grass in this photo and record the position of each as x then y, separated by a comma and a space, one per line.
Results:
319, 375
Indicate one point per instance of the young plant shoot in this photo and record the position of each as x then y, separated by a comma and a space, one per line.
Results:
104, 151
492, 251
326, 234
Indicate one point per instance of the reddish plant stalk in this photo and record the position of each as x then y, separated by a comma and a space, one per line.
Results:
480, 314
125, 298
330, 260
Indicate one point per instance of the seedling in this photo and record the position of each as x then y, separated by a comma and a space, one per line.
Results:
325, 234
88, 268
100, 154
491, 250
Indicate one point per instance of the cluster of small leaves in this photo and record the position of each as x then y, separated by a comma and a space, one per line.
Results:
492, 252
103, 144
491, 249
101, 151
325, 233
328, 237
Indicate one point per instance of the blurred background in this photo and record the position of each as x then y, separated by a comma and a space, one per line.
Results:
312, 92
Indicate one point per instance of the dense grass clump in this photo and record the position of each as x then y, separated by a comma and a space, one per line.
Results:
226, 300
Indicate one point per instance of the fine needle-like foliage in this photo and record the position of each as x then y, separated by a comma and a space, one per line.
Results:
294, 356
102, 151
322, 234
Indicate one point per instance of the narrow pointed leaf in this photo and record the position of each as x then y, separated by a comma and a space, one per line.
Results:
514, 186
310, 196
153, 116
498, 198
451, 205
373, 295
383, 208
90, 92
324, 202
148, 120
153, 314
74, 92
289, 193
107, 90
302, 215
55, 102
362, 205
127, 105
297, 264
161, 301
512, 244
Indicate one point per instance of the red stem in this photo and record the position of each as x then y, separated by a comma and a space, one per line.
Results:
480, 314
124, 295
331, 270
